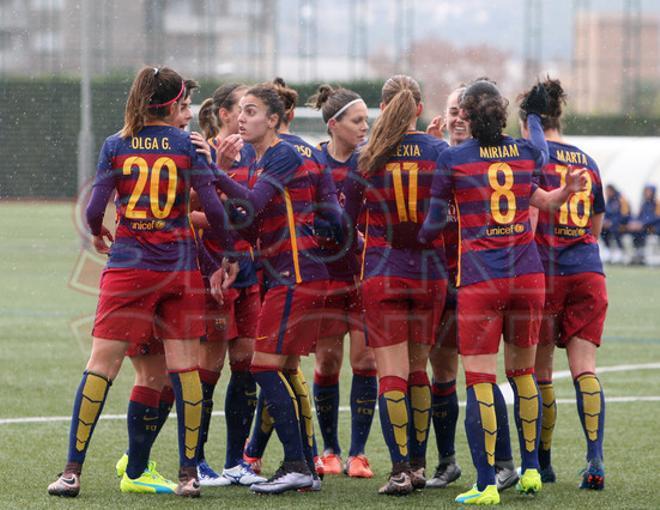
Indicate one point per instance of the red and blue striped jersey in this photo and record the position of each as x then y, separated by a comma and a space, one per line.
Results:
152, 173
282, 203
564, 238
343, 265
399, 195
450, 239
491, 187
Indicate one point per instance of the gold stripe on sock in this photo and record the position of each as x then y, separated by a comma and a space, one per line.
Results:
484, 395
549, 416
420, 403
397, 412
93, 394
292, 395
302, 391
528, 408
191, 392
590, 391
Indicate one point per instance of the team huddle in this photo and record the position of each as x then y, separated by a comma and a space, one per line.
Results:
249, 243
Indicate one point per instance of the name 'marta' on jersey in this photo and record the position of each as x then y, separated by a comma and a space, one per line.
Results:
400, 192
491, 189
564, 238
152, 173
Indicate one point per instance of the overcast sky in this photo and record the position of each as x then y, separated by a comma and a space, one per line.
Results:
463, 22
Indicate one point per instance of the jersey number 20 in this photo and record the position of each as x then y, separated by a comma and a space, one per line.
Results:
154, 176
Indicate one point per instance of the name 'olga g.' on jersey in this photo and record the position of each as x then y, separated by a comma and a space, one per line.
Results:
152, 173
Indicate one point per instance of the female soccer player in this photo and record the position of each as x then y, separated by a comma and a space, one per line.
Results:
444, 355
500, 276
575, 295
232, 325
404, 283
152, 394
345, 114
151, 279
263, 425
281, 206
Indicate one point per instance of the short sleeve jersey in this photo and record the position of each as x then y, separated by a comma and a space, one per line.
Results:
152, 173
401, 192
491, 187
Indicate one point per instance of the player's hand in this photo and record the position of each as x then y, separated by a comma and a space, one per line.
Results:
576, 180
99, 241
202, 145
231, 273
536, 101
228, 151
216, 285
436, 127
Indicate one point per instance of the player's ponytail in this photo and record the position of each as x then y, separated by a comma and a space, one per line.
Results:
288, 96
152, 93
332, 102
401, 95
208, 122
555, 105
486, 110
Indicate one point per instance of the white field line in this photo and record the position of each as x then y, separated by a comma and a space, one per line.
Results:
506, 390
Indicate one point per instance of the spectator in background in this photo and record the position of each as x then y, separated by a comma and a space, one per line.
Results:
646, 222
617, 216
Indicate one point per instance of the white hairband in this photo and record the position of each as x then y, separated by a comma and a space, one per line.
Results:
345, 107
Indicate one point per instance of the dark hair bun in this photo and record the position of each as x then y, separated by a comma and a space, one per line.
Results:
556, 98
322, 95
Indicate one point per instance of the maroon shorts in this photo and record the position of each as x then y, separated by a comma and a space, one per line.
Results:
509, 307
136, 305
290, 318
402, 309
236, 317
575, 306
343, 309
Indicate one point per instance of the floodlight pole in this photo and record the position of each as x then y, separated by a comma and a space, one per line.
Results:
85, 136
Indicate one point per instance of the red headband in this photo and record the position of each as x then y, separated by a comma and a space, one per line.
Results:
173, 100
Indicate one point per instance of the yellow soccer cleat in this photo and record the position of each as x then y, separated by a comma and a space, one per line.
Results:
488, 496
149, 483
530, 482
121, 465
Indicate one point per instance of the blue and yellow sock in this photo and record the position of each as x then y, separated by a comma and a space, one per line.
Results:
503, 451
188, 396
240, 403
298, 383
591, 409
282, 405
394, 420
548, 421
419, 400
209, 379
326, 400
164, 407
87, 406
444, 414
527, 413
364, 394
481, 425
142, 420
262, 430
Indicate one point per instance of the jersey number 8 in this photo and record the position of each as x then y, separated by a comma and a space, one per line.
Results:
501, 191
154, 187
